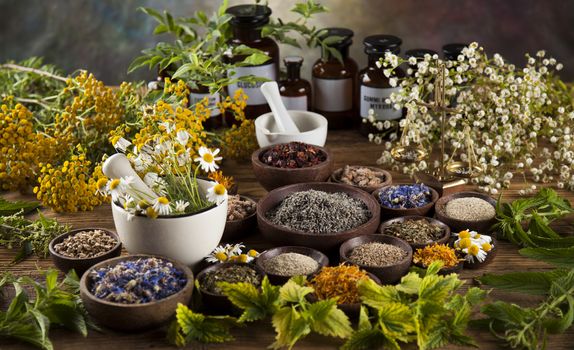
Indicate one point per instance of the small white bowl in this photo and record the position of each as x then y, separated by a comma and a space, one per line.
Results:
313, 129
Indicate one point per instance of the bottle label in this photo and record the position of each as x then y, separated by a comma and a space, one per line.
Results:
252, 89
296, 103
212, 100
374, 98
333, 95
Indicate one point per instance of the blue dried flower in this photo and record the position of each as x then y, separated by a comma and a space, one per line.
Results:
405, 196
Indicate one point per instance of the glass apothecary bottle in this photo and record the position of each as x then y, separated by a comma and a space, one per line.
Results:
334, 82
197, 95
295, 92
419, 55
246, 23
453, 50
374, 86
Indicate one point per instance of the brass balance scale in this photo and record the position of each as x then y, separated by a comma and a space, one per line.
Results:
447, 177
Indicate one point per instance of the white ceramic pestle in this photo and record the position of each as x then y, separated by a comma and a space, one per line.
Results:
118, 166
284, 122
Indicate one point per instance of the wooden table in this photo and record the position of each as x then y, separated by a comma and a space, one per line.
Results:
348, 147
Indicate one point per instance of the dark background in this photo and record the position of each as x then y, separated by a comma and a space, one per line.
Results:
103, 36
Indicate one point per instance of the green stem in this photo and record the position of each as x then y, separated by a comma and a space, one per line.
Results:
32, 70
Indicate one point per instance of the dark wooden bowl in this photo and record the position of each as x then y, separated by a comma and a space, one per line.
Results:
387, 274
134, 317
319, 257
351, 310
80, 265
320, 241
215, 302
387, 212
237, 229
445, 229
387, 178
481, 226
271, 177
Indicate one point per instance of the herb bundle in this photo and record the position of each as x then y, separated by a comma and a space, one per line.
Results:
54, 303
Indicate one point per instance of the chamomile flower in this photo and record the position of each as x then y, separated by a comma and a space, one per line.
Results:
219, 254
207, 159
115, 188
162, 206
122, 144
102, 186
217, 193
167, 126
180, 206
182, 137
475, 252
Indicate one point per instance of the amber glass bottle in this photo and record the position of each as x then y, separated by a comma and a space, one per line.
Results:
196, 95
419, 54
295, 92
334, 83
246, 23
375, 88
451, 51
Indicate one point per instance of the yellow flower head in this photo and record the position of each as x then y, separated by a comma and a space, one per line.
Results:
242, 258
252, 253
464, 243
486, 246
221, 256
473, 250
464, 234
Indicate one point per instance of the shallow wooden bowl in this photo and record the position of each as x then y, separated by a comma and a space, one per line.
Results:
236, 229
386, 274
321, 241
80, 265
445, 229
217, 302
134, 317
456, 225
271, 177
387, 178
387, 212
319, 257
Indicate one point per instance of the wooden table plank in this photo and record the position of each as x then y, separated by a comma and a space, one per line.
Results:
348, 147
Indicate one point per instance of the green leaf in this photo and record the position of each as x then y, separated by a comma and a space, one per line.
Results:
535, 283
256, 305
10, 208
328, 320
289, 327
561, 324
508, 313
369, 339
396, 321
561, 257
375, 295
292, 292
410, 283
255, 59
197, 327
364, 322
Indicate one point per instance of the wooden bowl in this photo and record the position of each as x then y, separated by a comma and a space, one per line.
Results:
489, 257
445, 229
456, 225
324, 242
351, 310
271, 177
134, 317
319, 257
387, 212
387, 274
387, 178
236, 229
80, 265
217, 302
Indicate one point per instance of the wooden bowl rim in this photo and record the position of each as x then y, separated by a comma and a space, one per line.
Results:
256, 159
218, 266
61, 237
350, 244
248, 216
113, 261
445, 228
434, 197
367, 199
303, 250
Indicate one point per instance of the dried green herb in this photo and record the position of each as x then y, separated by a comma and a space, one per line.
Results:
29, 237
11, 208
232, 274
415, 231
54, 304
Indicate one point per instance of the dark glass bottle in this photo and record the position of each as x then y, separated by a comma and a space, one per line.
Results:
196, 95
419, 55
334, 83
246, 23
451, 51
295, 92
375, 88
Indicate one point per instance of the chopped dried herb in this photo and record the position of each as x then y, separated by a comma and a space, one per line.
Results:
293, 155
230, 274
415, 231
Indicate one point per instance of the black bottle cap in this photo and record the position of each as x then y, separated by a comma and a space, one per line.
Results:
451, 51
379, 44
293, 60
249, 15
345, 33
419, 53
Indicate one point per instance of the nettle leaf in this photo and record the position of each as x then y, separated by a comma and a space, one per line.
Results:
256, 305
368, 339
396, 321
364, 322
410, 283
561, 324
563, 285
436, 288
328, 320
292, 292
289, 327
205, 329
561, 257
376, 296
508, 313
10, 208
535, 283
